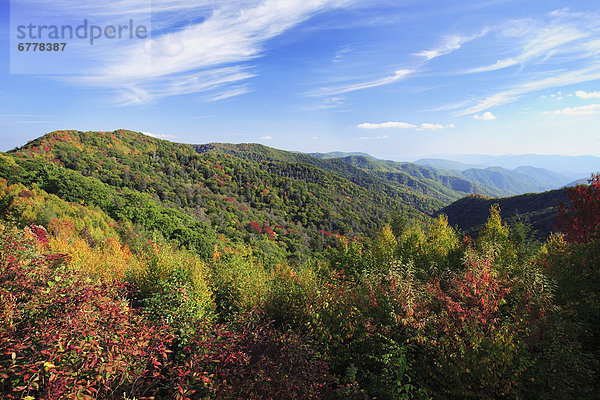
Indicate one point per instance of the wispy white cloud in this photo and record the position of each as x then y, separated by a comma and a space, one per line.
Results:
587, 95
589, 109
402, 125
487, 116
236, 91
515, 92
266, 137
208, 55
354, 86
554, 51
371, 137
326, 104
449, 44
339, 56
541, 39
159, 135
180, 84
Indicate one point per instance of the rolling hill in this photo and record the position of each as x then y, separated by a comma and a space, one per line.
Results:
230, 186
537, 209
180, 188
490, 181
366, 171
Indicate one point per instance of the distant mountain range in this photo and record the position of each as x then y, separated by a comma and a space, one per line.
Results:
446, 164
573, 166
481, 179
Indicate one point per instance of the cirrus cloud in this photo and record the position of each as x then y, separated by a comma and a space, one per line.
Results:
404, 125
449, 44
401, 125
209, 55
354, 86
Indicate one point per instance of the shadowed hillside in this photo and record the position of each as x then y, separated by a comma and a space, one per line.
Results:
538, 209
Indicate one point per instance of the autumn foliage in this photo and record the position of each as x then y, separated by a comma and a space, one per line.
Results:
188, 277
579, 219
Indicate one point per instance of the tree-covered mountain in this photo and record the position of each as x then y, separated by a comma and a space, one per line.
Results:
504, 181
428, 180
244, 195
395, 179
536, 209
489, 181
231, 187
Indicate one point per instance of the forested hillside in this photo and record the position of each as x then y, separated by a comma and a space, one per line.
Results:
135, 268
399, 179
469, 179
539, 210
290, 202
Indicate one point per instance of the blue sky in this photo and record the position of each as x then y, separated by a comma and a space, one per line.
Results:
397, 79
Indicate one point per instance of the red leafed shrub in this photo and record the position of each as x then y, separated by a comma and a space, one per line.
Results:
40, 233
580, 220
62, 336
476, 333
249, 360
474, 296
268, 231
254, 227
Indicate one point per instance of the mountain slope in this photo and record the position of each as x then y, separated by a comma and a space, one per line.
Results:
259, 153
538, 209
437, 174
428, 180
523, 179
395, 179
288, 200
545, 177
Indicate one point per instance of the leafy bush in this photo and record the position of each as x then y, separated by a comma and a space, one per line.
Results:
240, 284
63, 336
173, 285
250, 359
